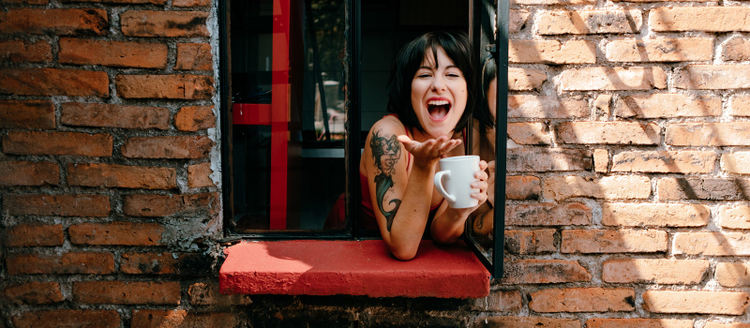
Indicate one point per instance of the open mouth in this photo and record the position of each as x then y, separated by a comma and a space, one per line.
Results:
438, 109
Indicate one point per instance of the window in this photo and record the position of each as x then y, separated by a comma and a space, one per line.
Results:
303, 82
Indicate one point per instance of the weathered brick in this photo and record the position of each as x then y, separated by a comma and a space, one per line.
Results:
34, 292
603, 106
612, 78
72, 21
17, 51
207, 294
148, 23
57, 205
553, 2
712, 77
733, 274
199, 175
28, 173
526, 322
533, 271
191, 3
610, 187
582, 300
667, 105
547, 159
183, 318
740, 105
589, 22
54, 82
58, 143
30, 235
532, 106
194, 118
155, 2
709, 243
165, 86
67, 318
614, 241
708, 134
530, 242
701, 302
683, 161
655, 271
127, 292
601, 160
520, 187
169, 205
31, 2
112, 53
194, 56
734, 217
660, 50
703, 189
726, 325
114, 116
32, 114
65, 263
609, 133
552, 52
736, 162
169, 147
655, 215
117, 233
638, 323
517, 20
525, 79
499, 301
184, 264
548, 214
529, 133
121, 176
706, 19
736, 49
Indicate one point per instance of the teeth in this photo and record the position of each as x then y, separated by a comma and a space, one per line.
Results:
437, 102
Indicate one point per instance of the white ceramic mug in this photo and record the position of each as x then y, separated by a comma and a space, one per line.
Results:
454, 179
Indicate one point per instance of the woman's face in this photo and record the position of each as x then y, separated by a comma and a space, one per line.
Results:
438, 95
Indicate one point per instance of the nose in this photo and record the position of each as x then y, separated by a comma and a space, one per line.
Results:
438, 83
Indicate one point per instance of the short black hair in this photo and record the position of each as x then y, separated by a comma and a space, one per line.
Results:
482, 112
408, 60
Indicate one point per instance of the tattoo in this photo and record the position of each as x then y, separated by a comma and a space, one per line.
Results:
385, 153
480, 221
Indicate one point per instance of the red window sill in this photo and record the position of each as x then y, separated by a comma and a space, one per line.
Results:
366, 268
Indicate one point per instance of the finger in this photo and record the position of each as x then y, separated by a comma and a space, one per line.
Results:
491, 166
481, 175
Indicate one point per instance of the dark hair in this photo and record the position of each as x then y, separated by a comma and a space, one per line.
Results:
482, 114
408, 60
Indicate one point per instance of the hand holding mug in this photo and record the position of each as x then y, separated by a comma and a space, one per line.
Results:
462, 181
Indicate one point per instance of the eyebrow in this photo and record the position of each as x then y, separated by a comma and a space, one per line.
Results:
447, 67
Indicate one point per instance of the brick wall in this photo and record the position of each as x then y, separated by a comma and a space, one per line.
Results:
628, 177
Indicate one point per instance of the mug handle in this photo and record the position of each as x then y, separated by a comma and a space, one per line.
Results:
439, 185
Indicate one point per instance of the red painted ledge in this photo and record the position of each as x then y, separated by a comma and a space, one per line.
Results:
366, 268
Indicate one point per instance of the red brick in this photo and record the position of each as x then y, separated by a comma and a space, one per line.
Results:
57, 205
710, 77
112, 53
500, 301
530, 242
184, 264
525, 79
699, 302
31, 2
552, 52
117, 233
178, 147
667, 105
115, 116
67, 319
54, 82
183, 319
165, 86
533, 106
734, 217
65, 263
169, 205
31, 114
121, 176
531, 271
526, 322
547, 159
17, 51
638, 323
736, 162
194, 56
191, 3
207, 294
582, 300
58, 143
86, 21
155, 2
601, 160
655, 271
33, 293
702, 189
608, 133
589, 22
29, 174
655, 215
520, 187
726, 325
740, 105
199, 175
127, 292
529, 133
703, 18
614, 241
683, 161
195, 118
733, 274
30, 235
660, 50
736, 49
608, 187
708, 134
147, 23
610, 79
548, 214
709, 243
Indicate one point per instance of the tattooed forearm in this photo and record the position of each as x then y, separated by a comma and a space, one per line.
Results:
385, 153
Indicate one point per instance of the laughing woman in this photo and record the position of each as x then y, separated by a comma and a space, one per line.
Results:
430, 96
